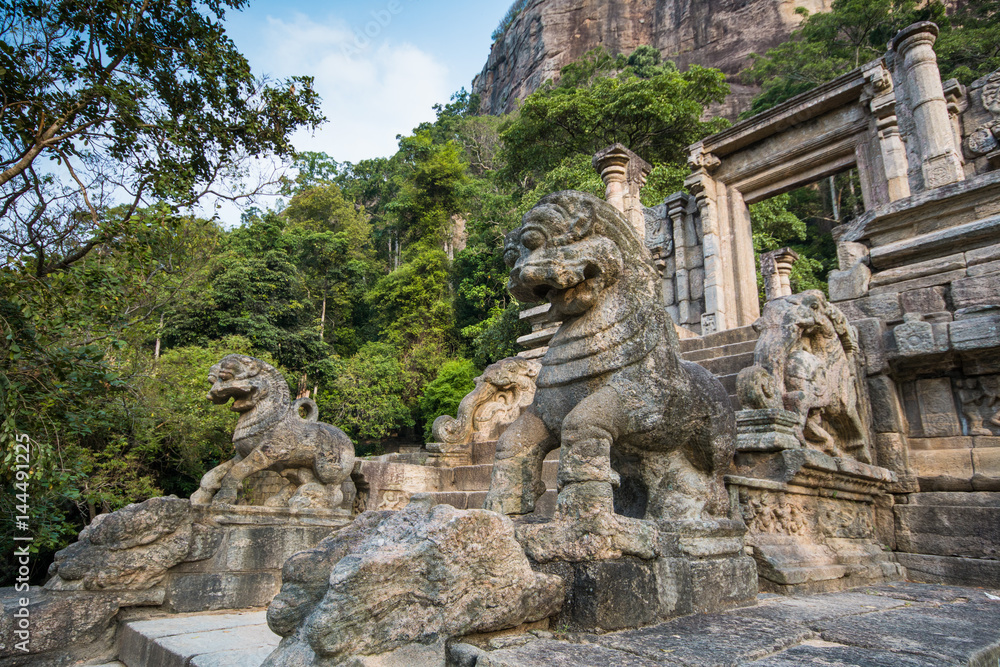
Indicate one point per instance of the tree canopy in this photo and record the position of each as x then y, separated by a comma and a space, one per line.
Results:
134, 102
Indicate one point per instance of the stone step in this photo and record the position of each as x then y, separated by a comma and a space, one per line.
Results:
721, 351
473, 500
718, 339
235, 639
478, 477
728, 365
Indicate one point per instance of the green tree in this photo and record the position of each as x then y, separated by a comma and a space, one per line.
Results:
971, 49
150, 102
366, 397
774, 227
832, 43
442, 395
649, 106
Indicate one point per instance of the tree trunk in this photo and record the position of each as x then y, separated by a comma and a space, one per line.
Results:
159, 332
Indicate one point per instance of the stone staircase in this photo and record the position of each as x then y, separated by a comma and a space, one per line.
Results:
389, 481
724, 353
465, 487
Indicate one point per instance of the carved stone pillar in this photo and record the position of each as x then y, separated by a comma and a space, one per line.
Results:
624, 173
677, 205
883, 107
776, 267
942, 163
704, 188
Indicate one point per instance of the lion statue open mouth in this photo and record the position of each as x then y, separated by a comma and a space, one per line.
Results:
270, 435
611, 387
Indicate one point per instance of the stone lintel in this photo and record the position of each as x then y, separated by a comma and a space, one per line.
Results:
788, 114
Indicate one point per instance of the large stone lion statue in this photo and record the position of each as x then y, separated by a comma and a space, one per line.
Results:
271, 435
611, 386
805, 362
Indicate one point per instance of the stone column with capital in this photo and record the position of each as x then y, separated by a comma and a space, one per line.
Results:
942, 162
624, 173
879, 89
776, 267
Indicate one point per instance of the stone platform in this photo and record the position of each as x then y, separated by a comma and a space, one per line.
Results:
897, 625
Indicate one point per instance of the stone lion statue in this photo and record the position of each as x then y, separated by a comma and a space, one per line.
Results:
271, 435
611, 385
804, 362
503, 390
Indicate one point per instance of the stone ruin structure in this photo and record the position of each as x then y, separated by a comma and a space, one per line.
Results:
842, 441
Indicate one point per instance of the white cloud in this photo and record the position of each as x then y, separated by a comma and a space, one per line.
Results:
371, 90
369, 94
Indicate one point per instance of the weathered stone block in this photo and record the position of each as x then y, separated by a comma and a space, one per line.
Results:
927, 269
851, 283
444, 573
918, 283
914, 337
985, 269
948, 530
871, 340
57, 622
211, 591
978, 256
977, 291
951, 442
926, 300
986, 470
887, 411
986, 441
944, 470
951, 570
608, 595
885, 307
976, 333
891, 452
938, 416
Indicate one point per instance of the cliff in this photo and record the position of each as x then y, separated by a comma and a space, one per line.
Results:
549, 34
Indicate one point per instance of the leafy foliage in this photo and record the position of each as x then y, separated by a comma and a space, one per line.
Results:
151, 100
442, 395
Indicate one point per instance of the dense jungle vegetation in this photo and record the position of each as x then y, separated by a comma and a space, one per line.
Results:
376, 287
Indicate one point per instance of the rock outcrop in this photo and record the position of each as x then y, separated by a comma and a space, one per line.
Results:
401, 580
549, 34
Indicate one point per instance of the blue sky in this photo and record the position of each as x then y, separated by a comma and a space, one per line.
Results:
379, 65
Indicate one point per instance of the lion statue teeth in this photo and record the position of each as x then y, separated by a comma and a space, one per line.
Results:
611, 385
270, 435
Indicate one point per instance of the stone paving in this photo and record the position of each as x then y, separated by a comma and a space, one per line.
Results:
897, 625
239, 639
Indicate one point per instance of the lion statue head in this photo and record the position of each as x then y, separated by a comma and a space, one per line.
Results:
249, 382
568, 250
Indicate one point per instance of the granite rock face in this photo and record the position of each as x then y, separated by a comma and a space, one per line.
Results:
271, 435
403, 578
549, 34
612, 393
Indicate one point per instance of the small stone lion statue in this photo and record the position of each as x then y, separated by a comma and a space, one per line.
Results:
804, 362
271, 435
612, 385
503, 390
